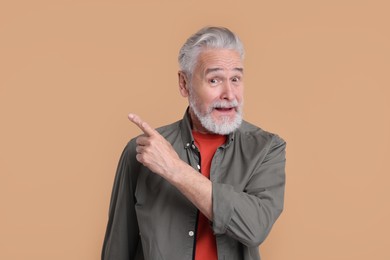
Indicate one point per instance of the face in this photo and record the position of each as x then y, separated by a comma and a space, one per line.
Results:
215, 91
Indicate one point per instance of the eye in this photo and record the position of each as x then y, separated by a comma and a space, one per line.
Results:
236, 79
214, 81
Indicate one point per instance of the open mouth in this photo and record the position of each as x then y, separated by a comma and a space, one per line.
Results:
225, 109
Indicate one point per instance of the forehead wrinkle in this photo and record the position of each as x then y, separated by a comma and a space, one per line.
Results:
218, 60
211, 70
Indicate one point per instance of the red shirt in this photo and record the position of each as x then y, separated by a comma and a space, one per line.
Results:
206, 246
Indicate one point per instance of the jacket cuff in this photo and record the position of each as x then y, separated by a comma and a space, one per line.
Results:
222, 207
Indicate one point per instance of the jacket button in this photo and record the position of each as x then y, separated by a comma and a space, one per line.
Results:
191, 233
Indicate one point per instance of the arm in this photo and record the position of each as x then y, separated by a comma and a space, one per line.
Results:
196, 187
154, 152
121, 241
248, 216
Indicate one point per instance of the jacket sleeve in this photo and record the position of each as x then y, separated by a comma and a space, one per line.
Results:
122, 241
248, 216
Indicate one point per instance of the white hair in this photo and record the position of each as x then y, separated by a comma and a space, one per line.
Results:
207, 38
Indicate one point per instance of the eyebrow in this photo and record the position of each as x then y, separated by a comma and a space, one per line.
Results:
218, 69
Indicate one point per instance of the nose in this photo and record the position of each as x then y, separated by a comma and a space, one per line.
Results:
227, 91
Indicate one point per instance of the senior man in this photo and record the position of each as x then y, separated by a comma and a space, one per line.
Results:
209, 186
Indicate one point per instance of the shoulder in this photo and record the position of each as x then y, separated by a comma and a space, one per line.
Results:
167, 129
170, 131
253, 136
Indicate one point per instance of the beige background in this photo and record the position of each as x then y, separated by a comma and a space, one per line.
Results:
317, 73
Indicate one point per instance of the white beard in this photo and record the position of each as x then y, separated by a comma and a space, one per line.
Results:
226, 124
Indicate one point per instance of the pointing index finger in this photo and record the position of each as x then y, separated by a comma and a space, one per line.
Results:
148, 130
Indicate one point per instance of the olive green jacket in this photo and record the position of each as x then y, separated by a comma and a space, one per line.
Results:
150, 219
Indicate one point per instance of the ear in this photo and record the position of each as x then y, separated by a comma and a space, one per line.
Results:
183, 84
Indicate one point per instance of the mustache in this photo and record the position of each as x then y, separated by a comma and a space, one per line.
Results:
224, 104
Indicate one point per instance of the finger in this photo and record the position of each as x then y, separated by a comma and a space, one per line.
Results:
148, 130
139, 158
142, 140
139, 149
